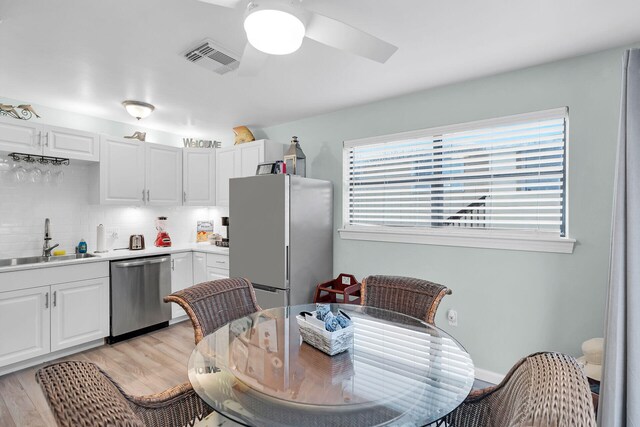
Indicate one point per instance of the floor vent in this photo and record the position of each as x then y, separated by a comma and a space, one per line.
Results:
213, 57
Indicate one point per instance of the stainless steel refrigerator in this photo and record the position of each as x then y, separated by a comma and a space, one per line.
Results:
281, 236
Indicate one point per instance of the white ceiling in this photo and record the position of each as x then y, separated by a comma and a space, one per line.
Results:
88, 55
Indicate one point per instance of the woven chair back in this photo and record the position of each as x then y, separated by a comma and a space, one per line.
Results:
413, 297
211, 305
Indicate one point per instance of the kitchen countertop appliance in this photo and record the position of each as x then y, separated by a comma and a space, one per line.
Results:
224, 242
136, 242
137, 289
162, 239
282, 236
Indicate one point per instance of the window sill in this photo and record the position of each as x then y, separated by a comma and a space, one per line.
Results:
494, 239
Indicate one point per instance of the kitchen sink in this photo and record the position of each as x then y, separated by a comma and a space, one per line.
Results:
41, 259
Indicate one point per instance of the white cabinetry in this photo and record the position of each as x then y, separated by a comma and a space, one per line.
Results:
217, 266
242, 160
181, 277
79, 312
24, 316
47, 309
199, 177
225, 170
135, 173
71, 144
121, 171
32, 138
21, 137
199, 267
163, 177
251, 155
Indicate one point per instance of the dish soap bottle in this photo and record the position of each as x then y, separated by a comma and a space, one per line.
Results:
82, 247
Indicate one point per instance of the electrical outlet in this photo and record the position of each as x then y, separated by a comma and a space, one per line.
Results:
452, 317
112, 232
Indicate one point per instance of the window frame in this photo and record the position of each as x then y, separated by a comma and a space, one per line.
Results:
523, 240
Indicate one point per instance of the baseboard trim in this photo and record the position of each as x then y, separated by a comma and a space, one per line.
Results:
178, 320
488, 376
49, 357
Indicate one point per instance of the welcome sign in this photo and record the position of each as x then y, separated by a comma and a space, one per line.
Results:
200, 143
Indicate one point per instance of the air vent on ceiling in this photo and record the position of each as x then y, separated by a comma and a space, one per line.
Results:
213, 57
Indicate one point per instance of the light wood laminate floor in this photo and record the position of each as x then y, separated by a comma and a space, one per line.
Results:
143, 365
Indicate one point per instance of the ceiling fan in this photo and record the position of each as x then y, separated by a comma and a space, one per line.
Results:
278, 27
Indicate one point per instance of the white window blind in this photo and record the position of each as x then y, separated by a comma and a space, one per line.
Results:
506, 173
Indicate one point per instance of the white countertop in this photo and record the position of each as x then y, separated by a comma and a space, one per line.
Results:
123, 254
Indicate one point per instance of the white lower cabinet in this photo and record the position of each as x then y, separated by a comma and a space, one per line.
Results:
45, 310
181, 277
199, 267
217, 266
215, 274
24, 316
79, 312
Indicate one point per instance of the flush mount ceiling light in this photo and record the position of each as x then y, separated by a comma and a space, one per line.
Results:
138, 109
274, 30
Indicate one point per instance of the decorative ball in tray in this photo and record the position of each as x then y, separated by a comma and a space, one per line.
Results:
328, 332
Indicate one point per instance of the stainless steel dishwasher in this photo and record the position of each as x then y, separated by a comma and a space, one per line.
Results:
137, 289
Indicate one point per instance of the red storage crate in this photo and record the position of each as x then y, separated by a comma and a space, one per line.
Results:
344, 289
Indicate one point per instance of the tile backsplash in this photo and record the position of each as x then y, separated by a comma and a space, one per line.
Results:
65, 200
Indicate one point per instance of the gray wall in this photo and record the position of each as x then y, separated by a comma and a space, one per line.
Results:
509, 303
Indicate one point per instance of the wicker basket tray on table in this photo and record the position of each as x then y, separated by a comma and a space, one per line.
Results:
328, 342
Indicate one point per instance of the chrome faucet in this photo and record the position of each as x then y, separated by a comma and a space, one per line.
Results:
46, 249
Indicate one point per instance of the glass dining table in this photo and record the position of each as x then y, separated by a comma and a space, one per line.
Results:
400, 371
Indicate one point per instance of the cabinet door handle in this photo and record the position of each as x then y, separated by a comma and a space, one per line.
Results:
220, 262
46, 139
54, 298
173, 265
46, 300
148, 197
39, 143
184, 197
143, 200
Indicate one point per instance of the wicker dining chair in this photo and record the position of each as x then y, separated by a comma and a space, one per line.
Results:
414, 297
81, 394
543, 389
211, 305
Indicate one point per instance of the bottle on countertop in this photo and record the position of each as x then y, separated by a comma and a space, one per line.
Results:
82, 247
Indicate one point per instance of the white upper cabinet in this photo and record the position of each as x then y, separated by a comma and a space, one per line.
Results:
242, 160
139, 173
199, 177
20, 136
225, 170
79, 312
122, 174
71, 144
250, 156
163, 174
32, 138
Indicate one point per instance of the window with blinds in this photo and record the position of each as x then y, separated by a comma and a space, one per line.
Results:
506, 173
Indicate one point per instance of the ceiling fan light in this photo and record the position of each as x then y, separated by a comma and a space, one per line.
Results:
274, 32
138, 109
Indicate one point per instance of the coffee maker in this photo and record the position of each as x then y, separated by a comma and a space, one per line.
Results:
225, 240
